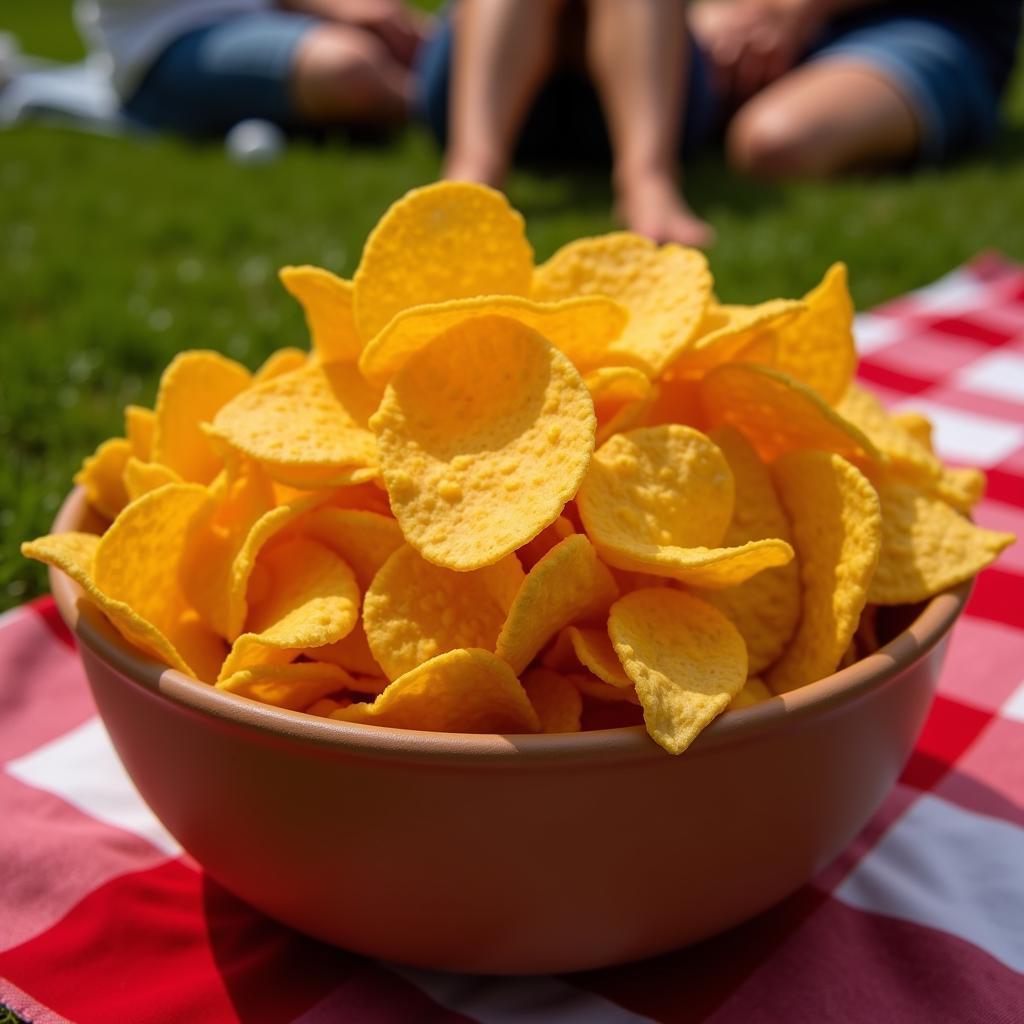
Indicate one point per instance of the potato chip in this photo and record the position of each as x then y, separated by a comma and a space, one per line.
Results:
482, 438
593, 648
308, 427
365, 540
557, 702
837, 532
352, 653
459, 691
917, 425
621, 395
534, 550
569, 584
74, 554
102, 477
659, 500
816, 347
581, 328
327, 301
326, 706
287, 686
685, 658
278, 363
754, 692
675, 400
665, 290
137, 563
927, 547
139, 427
414, 610
451, 240
192, 390
962, 487
313, 600
765, 608
731, 329
778, 414
140, 477
597, 689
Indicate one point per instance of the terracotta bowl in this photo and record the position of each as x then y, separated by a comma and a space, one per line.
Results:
511, 854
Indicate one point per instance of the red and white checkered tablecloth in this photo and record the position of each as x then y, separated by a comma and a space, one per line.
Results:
102, 918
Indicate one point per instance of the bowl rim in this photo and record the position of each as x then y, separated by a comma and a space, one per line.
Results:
628, 743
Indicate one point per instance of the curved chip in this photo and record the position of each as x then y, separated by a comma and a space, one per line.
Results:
961, 487
308, 427
621, 395
74, 554
557, 702
754, 692
312, 600
450, 240
102, 477
917, 425
765, 608
482, 438
837, 532
352, 653
414, 610
139, 426
569, 584
287, 686
665, 290
778, 414
193, 389
142, 477
459, 691
536, 548
598, 689
365, 540
582, 328
675, 400
593, 648
817, 347
280, 362
927, 547
327, 301
685, 658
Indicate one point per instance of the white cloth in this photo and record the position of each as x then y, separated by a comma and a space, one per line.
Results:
128, 35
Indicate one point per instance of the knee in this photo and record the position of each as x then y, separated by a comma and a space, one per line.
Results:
342, 58
769, 143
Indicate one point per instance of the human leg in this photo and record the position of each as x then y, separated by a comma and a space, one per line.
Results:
637, 53
501, 57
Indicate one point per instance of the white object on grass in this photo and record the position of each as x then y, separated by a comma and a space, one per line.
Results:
254, 141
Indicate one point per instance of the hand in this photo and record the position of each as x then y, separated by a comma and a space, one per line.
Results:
753, 42
396, 25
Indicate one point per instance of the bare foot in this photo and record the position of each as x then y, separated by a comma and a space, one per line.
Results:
653, 207
469, 168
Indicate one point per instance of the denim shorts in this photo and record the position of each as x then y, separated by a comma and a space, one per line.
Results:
216, 75
941, 71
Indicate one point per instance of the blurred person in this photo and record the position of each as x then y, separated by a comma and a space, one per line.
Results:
198, 67
795, 88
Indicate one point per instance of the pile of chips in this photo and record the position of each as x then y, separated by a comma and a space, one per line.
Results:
500, 497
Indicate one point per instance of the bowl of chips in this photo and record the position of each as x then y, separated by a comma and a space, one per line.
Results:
537, 618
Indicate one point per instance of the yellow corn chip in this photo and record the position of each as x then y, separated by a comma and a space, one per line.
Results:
139, 426
754, 692
365, 540
927, 547
307, 427
192, 390
581, 328
659, 500
102, 477
685, 658
917, 425
593, 648
451, 240
142, 477
278, 363
313, 600
351, 653
779, 414
665, 290
74, 554
766, 608
534, 550
962, 488
569, 584
621, 395
837, 532
327, 301
557, 702
459, 691
414, 610
591, 686
482, 438
287, 686
816, 347
674, 400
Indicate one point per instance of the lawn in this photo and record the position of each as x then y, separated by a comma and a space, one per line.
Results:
115, 254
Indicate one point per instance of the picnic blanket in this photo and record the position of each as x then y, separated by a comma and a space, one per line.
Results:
103, 918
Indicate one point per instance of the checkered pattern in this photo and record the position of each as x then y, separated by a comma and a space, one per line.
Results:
103, 918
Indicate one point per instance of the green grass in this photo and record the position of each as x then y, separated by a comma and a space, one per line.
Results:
115, 254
